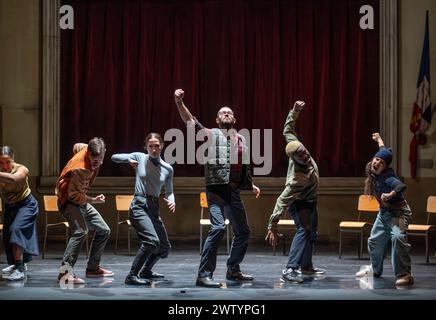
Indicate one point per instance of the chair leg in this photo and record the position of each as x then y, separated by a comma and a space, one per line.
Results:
116, 239
284, 244
228, 240
427, 259
361, 245
201, 238
45, 242
340, 244
87, 246
128, 241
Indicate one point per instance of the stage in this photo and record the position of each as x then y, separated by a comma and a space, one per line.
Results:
180, 269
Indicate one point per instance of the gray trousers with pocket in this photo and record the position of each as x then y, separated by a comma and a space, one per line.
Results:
81, 219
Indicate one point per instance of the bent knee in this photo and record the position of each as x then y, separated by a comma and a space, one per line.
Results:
106, 232
219, 229
164, 252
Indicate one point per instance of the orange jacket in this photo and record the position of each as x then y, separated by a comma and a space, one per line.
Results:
76, 178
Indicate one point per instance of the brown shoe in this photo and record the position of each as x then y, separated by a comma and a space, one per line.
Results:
99, 272
69, 278
406, 280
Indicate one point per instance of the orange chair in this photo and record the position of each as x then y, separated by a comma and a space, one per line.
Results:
206, 222
366, 204
283, 226
122, 203
423, 230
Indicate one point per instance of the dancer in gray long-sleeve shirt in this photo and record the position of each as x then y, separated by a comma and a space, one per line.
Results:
151, 174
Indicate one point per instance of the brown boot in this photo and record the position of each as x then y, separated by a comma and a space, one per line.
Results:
405, 280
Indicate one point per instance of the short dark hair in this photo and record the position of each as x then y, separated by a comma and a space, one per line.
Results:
153, 135
96, 146
218, 112
6, 151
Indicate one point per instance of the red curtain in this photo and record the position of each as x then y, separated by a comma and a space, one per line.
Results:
124, 59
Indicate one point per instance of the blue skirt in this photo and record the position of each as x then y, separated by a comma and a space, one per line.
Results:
19, 228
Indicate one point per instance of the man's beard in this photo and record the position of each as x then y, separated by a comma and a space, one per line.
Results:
226, 125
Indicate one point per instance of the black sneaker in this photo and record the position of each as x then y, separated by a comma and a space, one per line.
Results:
151, 275
207, 282
136, 281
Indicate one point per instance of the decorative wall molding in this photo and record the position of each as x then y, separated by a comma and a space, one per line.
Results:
389, 79
188, 185
50, 87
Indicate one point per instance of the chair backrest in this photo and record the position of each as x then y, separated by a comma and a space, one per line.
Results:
367, 204
51, 204
203, 203
123, 202
203, 200
431, 204
431, 207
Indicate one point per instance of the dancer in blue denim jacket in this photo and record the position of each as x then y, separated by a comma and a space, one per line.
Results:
392, 220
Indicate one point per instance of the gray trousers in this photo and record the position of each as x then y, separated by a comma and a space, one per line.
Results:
391, 225
145, 218
81, 219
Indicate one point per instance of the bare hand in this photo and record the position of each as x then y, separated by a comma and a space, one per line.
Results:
178, 95
79, 146
376, 136
99, 199
299, 105
388, 196
171, 205
272, 237
133, 164
256, 190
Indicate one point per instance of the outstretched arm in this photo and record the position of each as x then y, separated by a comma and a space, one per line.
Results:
16, 177
289, 129
287, 196
130, 158
377, 138
183, 110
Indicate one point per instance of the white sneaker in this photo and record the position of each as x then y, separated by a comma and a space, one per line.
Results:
365, 271
8, 270
15, 275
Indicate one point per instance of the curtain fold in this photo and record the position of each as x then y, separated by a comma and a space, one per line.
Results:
124, 59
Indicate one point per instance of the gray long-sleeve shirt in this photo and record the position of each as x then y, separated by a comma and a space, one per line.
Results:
301, 181
151, 174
